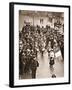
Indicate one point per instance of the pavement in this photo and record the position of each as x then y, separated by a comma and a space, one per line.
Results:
44, 70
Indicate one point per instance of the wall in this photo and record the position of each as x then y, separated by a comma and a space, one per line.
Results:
4, 45
35, 20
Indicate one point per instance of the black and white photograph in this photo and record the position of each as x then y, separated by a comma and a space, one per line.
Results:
40, 44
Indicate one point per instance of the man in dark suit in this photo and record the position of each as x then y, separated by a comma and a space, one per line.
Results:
34, 66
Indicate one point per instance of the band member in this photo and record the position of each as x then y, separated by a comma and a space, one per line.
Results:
43, 49
22, 64
34, 66
49, 48
52, 41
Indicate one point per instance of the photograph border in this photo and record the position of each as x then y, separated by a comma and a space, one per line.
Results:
11, 43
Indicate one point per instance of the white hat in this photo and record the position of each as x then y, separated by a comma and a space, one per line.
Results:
28, 49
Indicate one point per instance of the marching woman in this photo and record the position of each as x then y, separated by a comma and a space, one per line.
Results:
52, 56
52, 61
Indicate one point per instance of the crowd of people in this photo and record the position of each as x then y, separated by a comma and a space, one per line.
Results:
34, 39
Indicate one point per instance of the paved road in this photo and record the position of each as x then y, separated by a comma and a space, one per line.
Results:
44, 70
